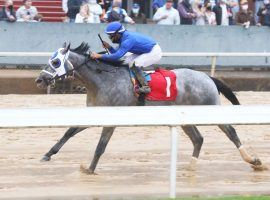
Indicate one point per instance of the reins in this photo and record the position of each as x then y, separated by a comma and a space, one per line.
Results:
98, 69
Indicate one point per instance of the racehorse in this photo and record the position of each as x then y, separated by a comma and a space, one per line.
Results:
108, 84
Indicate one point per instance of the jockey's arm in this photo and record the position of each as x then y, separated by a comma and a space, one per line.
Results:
119, 53
112, 50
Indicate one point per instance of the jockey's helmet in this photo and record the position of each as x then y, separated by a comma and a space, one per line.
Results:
115, 27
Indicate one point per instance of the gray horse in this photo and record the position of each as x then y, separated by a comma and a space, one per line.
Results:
108, 84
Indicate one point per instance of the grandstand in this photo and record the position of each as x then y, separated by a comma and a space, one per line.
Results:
51, 10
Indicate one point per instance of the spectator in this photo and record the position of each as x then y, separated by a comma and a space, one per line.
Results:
167, 15
233, 7
245, 16
221, 12
210, 17
258, 4
73, 9
117, 13
137, 15
84, 16
7, 13
105, 4
264, 13
186, 12
96, 10
158, 4
65, 5
199, 10
27, 12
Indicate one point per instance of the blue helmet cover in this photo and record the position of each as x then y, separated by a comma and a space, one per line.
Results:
114, 27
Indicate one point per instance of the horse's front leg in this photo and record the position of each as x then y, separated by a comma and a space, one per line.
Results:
68, 134
102, 144
255, 162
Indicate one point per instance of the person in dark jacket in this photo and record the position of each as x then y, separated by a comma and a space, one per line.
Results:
73, 9
137, 15
186, 12
7, 13
105, 4
222, 13
264, 13
245, 16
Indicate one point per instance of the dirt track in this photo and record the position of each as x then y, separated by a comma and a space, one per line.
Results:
135, 164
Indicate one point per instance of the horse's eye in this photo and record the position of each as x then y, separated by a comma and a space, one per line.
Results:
56, 63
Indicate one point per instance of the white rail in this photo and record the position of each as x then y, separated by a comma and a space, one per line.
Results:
141, 116
165, 54
213, 55
25, 54
171, 116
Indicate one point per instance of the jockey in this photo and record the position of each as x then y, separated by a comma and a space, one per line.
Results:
143, 51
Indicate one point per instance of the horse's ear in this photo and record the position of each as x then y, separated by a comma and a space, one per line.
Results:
64, 45
66, 49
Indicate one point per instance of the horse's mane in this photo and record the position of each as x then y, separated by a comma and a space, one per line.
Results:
83, 49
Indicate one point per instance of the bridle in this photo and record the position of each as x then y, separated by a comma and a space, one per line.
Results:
87, 59
98, 68
71, 72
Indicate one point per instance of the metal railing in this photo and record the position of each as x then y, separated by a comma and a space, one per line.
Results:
213, 55
120, 116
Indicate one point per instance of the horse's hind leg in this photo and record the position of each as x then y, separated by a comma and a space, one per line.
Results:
231, 134
68, 134
102, 144
197, 140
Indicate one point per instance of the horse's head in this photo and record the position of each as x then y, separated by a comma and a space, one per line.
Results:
59, 66
66, 60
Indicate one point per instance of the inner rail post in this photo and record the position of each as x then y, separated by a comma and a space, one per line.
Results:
174, 142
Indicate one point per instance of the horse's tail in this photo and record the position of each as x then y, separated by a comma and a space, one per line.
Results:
226, 91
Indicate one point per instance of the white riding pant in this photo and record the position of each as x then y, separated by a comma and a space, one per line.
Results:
146, 59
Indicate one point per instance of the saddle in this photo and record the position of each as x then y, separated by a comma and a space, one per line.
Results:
162, 83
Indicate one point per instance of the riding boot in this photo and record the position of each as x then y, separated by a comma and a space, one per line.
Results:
141, 79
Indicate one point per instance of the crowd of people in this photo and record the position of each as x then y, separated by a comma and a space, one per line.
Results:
93, 11
211, 12
26, 13
166, 12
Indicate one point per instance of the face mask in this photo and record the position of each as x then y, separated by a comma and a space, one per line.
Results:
10, 7
245, 7
266, 2
92, 1
57, 63
135, 10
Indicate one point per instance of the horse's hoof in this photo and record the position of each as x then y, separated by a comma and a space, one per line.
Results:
257, 165
193, 164
256, 162
87, 171
45, 159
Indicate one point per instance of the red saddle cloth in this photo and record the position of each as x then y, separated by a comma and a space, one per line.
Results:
163, 86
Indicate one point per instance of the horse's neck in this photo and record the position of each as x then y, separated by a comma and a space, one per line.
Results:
100, 82
89, 78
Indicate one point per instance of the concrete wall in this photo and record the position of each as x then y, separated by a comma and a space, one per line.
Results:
44, 37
